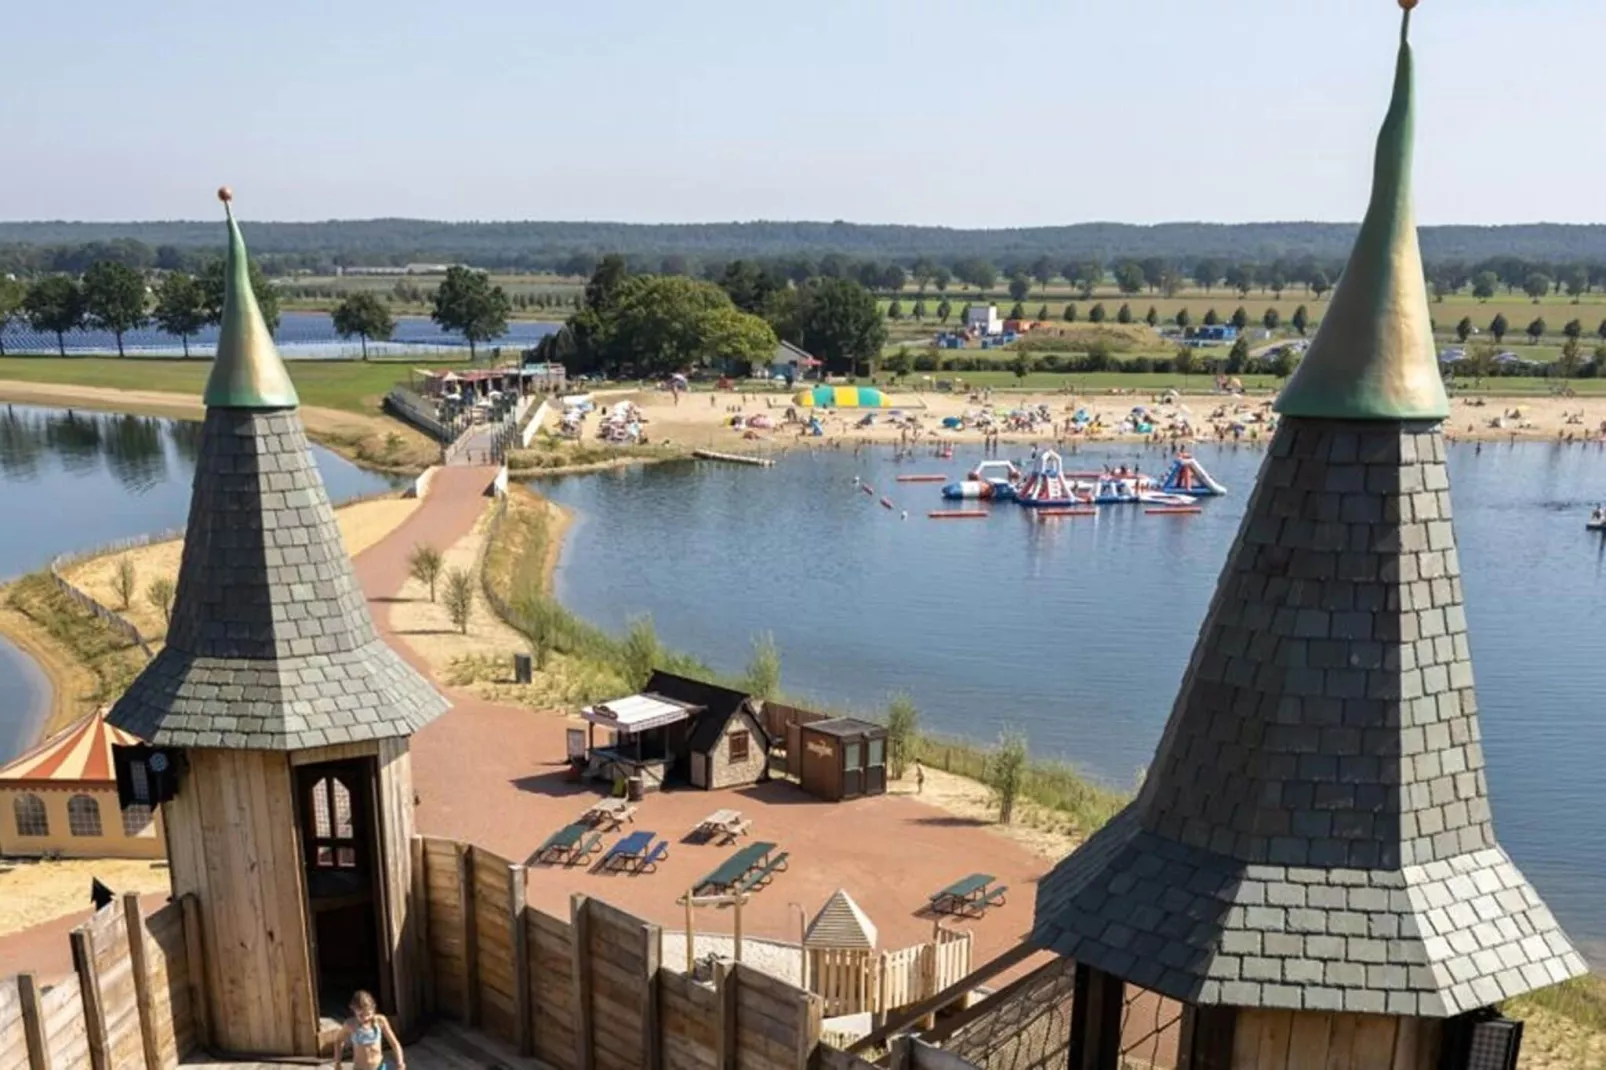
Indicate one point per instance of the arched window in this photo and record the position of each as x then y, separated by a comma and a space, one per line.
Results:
31, 817
332, 828
137, 823
83, 816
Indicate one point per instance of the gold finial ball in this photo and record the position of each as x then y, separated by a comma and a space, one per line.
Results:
226, 195
1409, 5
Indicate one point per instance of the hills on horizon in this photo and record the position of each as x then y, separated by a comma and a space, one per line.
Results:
536, 244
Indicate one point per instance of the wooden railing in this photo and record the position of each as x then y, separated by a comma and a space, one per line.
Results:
129, 1005
588, 992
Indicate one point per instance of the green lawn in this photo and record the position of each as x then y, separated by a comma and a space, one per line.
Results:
354, 386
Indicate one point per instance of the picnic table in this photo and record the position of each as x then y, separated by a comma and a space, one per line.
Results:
970, 895
750, 867
609, 814
568, 845
636, 853
723, 826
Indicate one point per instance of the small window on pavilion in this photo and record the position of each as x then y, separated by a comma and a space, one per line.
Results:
32, 820
83, 816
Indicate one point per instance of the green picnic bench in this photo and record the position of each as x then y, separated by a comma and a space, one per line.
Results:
970, 895
560, 844
761, 875
731, 872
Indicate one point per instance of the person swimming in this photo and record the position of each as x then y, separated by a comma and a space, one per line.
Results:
367, 1031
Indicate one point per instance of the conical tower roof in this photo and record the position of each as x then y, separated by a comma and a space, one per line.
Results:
841, 923
1315, 830
271, 646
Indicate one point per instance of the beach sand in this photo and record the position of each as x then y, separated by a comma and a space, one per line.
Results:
703, 420
34, 892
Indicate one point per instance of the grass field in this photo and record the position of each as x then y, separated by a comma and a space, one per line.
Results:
351, 386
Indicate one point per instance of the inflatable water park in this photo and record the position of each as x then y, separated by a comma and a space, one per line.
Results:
1049, 487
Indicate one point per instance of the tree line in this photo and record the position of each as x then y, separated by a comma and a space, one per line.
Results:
113, 297
548, 246
654, 324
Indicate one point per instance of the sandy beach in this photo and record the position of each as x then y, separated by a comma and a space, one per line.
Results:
705, 420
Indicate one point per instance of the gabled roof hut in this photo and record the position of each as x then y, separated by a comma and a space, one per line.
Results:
292, 818
1315, 834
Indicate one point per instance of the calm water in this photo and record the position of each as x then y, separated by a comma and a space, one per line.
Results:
302, 333
77, 480
1077, 630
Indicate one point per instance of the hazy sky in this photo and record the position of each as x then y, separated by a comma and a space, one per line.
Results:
1010, 112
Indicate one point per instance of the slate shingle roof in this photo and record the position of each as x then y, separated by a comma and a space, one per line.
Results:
1315, 831
271, 645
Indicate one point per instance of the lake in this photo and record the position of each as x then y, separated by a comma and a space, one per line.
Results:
1077, 630
78, 480
307, 335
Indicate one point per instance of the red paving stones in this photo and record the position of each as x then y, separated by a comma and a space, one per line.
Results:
45, 950
492, 775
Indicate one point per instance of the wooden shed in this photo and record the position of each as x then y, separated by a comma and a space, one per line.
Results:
843, 758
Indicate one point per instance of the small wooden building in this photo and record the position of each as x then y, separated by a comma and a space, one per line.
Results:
680, 730
843, 758
61, 799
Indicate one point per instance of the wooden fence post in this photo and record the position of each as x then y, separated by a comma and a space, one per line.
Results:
652, 1047
580, 965
140, 964
195, 962
83, 960
523, 1006
471, 973
419, 916
725, 982
33, 1023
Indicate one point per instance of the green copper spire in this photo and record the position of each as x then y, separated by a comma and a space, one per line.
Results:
248, 373
1374, 357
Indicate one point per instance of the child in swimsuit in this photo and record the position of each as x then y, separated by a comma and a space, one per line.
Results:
367, 1031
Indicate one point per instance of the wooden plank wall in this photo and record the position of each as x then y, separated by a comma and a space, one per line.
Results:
776, 1024
1275, 1040
13, 1036
621, 953
498, 978
689, 1015
113, 979
551, 943
168, 974
61, 1014
402, 934
589, 993
444, 926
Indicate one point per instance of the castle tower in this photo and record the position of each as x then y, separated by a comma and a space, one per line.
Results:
1312, 854
292, 820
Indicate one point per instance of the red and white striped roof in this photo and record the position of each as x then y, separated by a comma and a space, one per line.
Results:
80, 753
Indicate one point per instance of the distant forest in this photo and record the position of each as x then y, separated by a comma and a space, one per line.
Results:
574, 248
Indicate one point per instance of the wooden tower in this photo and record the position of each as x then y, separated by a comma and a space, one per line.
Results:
289, 719
1311, 867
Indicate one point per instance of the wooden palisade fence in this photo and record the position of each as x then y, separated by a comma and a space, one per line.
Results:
129, 1005
582, 993
588, 992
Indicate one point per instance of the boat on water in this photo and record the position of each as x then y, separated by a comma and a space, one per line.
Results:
989, 481
1597, 519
